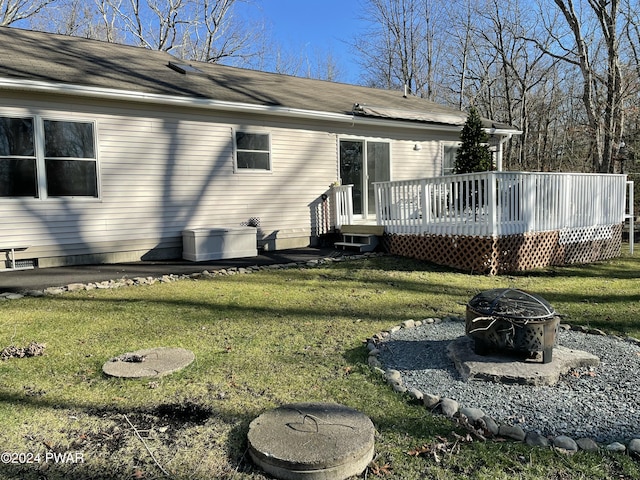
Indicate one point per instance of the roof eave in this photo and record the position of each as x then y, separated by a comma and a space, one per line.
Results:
503, 131
37, 86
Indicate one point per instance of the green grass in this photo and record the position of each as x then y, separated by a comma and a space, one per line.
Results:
262, 340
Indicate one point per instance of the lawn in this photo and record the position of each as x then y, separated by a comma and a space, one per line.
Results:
261, 340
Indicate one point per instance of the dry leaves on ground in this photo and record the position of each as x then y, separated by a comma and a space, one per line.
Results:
34, 349
441, 447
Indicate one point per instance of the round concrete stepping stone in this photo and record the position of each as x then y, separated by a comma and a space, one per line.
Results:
312, 441
153, 362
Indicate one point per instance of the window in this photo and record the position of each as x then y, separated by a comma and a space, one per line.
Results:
17, 158
64, 165
253, 151
69, 159
449, 158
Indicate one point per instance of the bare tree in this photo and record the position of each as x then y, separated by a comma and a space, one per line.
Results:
323, 65
523, 70
435, 14
152, 24
461, 49
217, 34
601, 77
630, 71
320, 64
107, 12
330, 70
377, 59
78, 18
12, 11
202, 30
400, 49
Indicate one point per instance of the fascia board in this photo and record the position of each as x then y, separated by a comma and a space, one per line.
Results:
207, 104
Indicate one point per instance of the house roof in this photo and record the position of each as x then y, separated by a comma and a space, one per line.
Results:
28, 58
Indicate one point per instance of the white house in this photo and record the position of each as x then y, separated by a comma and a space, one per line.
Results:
109, 152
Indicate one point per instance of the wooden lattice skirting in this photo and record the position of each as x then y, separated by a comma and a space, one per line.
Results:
510, 253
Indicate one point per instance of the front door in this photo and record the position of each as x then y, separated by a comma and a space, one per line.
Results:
362, 163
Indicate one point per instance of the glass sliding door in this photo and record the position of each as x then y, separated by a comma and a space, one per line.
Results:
361, 164
352, 170
378, 170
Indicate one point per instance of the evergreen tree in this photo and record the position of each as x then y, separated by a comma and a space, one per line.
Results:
473, 155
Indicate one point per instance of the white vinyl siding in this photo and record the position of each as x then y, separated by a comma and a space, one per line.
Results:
161, 172
410, 163
161, 175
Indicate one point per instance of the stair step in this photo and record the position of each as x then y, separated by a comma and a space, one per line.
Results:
352, 244
377, 230
361, 247
363, 243
363, 238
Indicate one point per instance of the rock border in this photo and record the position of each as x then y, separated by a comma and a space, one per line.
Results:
483, 426
169, 278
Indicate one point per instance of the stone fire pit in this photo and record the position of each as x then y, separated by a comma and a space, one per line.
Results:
512, 321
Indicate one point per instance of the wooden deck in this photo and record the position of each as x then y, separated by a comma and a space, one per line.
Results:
496, 222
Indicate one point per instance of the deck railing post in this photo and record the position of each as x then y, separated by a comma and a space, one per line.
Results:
426, 206
630, 215
528, 203
376, 194
492, 187
335, 207
349, 195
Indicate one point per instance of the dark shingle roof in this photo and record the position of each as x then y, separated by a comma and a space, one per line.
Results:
69, 60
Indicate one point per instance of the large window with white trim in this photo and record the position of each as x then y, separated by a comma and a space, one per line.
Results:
42, 158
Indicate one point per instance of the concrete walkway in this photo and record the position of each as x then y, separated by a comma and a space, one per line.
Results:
41, 278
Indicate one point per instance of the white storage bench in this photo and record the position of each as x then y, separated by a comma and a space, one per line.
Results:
217, 243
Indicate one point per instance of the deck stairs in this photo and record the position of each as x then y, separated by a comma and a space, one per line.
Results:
363, 238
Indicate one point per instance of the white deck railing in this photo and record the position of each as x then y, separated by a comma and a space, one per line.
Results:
502, 203
342, 201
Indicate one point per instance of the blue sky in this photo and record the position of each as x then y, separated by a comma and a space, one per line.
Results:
314, 26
